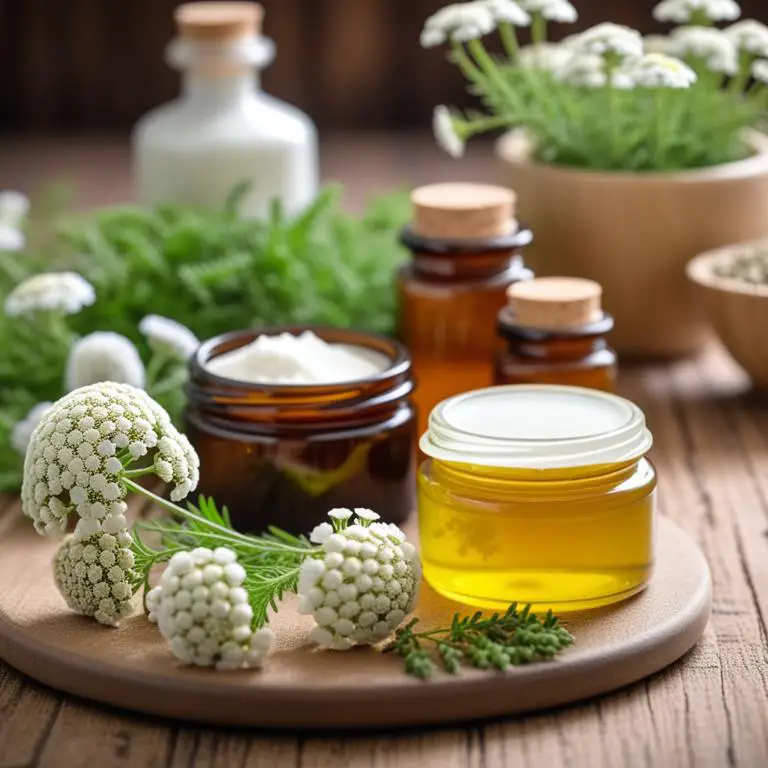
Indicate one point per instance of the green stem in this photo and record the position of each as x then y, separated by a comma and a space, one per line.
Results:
509, 39
155, 365
138, 472
741, 78
468, 68
231, 535
538, 29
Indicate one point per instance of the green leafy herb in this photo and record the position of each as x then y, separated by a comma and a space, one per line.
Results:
213, 271
498, 641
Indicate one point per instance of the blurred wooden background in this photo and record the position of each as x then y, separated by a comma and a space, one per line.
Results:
91, 66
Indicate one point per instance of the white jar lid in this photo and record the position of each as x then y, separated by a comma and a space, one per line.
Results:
536, 426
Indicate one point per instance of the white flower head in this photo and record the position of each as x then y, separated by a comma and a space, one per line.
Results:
655, 70
507, 11
169, 337
583, 71
14, 207
65, 292
78, 452
95, 575
202, 610
685, 11
364, 585
460, 22
550, 57
445, 132
22, 430
11, 239
609, 39
103, 356
749, 36
552, 10
760, 70
709, 45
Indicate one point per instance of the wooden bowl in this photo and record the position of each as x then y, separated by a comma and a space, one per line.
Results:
737, 309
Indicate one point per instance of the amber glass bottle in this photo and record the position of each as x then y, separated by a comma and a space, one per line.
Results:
555, 331
465, 244
284, 455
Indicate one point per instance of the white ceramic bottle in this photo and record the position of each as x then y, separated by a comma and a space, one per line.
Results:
223, 129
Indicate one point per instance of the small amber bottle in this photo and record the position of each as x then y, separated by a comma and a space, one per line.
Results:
555, 330
465, 244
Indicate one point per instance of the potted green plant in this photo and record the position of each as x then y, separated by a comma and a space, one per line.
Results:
630, 155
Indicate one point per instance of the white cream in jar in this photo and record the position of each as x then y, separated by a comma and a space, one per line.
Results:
297, 359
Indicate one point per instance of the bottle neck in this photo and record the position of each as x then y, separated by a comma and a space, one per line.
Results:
557, 349
200, 89
468, 266
554, 345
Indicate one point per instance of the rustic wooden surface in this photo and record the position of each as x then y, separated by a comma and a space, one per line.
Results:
709, 709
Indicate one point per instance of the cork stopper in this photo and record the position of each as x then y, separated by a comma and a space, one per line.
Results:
462, 211
555, 302
218, 21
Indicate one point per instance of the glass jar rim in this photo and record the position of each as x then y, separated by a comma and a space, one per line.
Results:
619, 433
399, 359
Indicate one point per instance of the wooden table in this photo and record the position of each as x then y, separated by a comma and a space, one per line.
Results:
709, 709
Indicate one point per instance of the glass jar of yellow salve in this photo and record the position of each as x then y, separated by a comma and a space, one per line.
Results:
537, 494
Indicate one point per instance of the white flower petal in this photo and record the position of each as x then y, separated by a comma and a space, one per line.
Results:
707, 44
552, 10
65, 292
169, 337
104, 356
445, 132
685, 11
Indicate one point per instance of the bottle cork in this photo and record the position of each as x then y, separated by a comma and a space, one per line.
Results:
218, 21
555, 302
463, 211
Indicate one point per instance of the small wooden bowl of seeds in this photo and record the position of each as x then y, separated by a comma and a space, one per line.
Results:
734, 283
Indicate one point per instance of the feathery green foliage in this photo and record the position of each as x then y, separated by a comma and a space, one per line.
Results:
500, 641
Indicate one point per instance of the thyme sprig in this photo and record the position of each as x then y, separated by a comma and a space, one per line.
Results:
501, 640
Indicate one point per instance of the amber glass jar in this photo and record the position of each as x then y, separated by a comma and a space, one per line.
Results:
284, 455
555, 330
465, 246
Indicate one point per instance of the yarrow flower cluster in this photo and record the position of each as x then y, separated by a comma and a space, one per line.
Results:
360, 591
582, 71
709, 45
22, 430
80, 449
552, 10
104, 356
202, 610
95, 574
65, 292
507, 11
655, 70
686, 11
169, 338
749, 36
551, 57
460, 22
609, 39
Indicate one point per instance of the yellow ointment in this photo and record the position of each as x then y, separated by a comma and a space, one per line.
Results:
537, 494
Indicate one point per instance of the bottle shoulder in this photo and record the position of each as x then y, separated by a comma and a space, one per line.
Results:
252, 118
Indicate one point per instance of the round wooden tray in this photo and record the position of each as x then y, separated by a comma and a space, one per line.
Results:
303, 688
